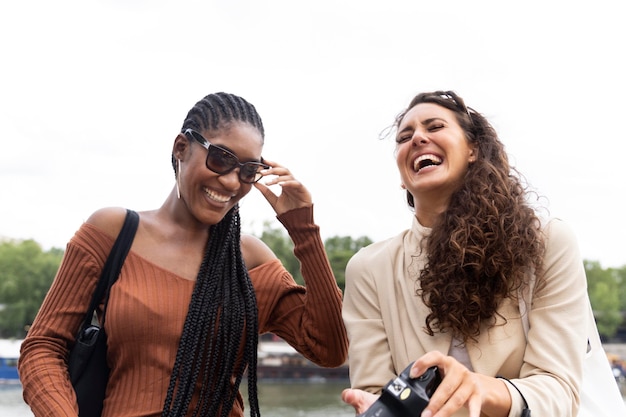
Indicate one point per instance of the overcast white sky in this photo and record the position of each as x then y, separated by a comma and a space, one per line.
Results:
92, 94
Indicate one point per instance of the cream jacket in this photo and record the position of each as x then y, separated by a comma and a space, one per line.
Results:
385, 323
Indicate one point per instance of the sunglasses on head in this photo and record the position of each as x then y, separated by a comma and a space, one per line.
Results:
222, 161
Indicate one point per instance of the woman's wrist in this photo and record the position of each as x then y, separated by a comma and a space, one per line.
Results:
497, 398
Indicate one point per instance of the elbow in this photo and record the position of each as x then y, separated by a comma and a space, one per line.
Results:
337, 362
334, 356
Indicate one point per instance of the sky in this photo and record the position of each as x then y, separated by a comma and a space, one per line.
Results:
93, 93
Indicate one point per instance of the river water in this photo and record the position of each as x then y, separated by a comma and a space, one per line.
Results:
278, 399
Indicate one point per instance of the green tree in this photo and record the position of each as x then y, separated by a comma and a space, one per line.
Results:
620, 277
26, 273
280, 243
340, 249
603, 289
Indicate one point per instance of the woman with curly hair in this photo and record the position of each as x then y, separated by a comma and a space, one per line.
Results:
451, 291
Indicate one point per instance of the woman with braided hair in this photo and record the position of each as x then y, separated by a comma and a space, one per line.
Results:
457, 289
184, 316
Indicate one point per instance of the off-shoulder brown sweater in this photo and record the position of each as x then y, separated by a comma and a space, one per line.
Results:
145, 317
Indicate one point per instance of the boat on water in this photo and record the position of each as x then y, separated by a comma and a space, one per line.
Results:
277, 360
9, 354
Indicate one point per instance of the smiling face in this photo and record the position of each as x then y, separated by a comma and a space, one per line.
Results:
208, 195
433, 155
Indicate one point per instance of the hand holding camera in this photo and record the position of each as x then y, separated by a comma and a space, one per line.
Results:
404, 396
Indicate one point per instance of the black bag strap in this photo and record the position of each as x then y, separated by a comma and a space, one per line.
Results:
113, 266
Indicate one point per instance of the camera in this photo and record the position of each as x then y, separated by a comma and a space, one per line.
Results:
404, 396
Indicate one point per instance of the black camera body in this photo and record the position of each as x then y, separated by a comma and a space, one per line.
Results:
404, 396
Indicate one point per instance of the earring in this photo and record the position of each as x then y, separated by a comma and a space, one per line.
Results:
178, 178
472, 156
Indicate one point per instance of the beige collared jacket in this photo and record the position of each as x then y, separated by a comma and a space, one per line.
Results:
385, 322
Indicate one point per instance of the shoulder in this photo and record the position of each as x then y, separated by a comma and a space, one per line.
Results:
560, 241
255, 252
376, 259
382, 246
558, 231
377, 251
562, 256
109, 220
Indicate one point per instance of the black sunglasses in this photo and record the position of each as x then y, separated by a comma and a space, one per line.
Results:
222, 161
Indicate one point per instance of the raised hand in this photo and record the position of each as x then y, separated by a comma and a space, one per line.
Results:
293, 194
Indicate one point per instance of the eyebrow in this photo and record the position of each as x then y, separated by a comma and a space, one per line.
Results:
226, 148
406, 129
433, 119
424, 122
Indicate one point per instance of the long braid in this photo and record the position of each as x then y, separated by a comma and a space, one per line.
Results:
223, 316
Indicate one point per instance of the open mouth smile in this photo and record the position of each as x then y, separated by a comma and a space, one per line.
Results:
426, 160
220, 198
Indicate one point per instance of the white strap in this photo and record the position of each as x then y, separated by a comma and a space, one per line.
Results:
600, 395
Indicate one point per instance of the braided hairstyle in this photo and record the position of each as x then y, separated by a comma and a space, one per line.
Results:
484, 245
222, 313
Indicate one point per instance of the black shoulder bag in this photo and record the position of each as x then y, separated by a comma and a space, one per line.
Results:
87, 362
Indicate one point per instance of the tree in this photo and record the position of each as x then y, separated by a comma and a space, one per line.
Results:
603, 289
26, 273
620, 277
340, 249
282, 246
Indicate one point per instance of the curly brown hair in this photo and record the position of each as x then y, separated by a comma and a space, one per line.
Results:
486, 243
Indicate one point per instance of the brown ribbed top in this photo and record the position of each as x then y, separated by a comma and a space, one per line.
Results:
145, 317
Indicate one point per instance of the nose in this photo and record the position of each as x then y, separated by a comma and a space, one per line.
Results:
419, 137
230, 180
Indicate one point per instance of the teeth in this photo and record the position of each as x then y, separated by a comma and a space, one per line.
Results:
426, 160
216, 197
